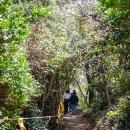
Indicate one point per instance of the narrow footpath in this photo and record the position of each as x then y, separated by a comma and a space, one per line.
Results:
79, 121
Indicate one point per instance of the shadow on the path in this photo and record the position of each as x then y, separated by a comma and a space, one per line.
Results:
76, 122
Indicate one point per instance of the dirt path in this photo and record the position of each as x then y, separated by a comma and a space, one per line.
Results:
76, 122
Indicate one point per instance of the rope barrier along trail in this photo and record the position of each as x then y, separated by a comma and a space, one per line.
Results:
27, 118
21, 122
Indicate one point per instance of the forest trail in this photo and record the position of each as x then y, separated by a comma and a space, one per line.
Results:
79, 121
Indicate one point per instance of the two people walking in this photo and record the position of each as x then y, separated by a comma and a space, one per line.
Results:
70, 101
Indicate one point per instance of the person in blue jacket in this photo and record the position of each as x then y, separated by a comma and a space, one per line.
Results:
73, 102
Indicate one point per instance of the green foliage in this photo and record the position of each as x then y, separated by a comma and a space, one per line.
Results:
6, 126
32, 110
62, 42
114, 15
15, 78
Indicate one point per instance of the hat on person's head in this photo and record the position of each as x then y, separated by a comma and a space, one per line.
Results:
74, 91
67, 91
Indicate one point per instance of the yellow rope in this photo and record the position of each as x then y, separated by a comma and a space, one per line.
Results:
21, 124
20, 120
60, 111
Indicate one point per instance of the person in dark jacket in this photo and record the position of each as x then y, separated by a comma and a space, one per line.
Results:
66, 101
73, 102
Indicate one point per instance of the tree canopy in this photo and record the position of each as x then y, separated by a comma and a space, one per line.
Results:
49, 46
